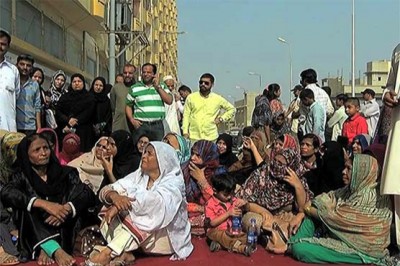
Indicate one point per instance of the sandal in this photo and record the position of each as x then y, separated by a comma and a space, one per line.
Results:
8, 259
88, 262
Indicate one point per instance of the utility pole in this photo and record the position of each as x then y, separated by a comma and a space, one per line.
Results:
111, 43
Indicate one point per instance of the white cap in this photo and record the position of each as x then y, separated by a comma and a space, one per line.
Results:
168, 78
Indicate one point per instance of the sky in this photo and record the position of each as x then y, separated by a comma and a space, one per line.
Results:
230, 38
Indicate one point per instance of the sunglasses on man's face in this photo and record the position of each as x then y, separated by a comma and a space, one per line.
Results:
207, 83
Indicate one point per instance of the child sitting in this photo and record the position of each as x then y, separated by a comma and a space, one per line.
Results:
355, 124
219, 210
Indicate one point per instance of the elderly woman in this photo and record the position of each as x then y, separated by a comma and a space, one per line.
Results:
147, 210
48, 199
74, 113
355, 220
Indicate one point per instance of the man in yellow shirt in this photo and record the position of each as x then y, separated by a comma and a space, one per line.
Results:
202, 112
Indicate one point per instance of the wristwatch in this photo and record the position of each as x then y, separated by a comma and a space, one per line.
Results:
221, 119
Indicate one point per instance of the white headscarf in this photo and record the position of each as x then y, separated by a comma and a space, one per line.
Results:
164, 204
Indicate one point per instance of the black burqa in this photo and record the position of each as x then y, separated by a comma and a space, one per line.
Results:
102, 119
63, 185
227, 158
124, 160
79, 104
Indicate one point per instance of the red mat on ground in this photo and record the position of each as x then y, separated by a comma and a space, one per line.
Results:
202, 256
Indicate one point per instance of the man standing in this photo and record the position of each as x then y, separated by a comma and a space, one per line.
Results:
9, 86
390, 174
316, 116
309, 81
294, 107
202, 112
145, 105
338, 118
172, 115
28, 102
118, 96
370, 110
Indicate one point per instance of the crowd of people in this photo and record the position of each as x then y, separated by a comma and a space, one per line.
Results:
139, 166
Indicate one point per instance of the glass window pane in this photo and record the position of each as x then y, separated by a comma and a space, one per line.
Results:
74, 50
29, 23
53, 38
5, 15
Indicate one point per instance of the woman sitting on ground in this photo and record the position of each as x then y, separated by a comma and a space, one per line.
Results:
181, 146
47, 198
355, 220
360, 143
226, 156
197, 174
147, 210
71, 148
143, 140
122, 157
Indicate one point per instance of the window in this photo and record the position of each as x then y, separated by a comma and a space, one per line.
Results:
29, 26
5, 15
73, 50
379, 78
53, 38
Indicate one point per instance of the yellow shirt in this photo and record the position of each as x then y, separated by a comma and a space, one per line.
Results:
200, 112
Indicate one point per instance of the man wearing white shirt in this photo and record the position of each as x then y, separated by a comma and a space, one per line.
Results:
9, 86
338, 118
370, 110
309, 81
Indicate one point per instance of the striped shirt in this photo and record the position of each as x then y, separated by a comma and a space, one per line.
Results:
146, 103
28, 104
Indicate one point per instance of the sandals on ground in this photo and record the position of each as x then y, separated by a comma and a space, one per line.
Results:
8, 259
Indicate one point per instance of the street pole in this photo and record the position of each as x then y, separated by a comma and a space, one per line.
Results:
282, 40
353, 75
111, 41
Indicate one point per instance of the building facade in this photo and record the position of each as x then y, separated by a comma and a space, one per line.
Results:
73, 35
374, 78
63, 35
157, 19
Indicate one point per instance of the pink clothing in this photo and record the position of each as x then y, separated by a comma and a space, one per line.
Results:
276, 105
353, 126
215, 208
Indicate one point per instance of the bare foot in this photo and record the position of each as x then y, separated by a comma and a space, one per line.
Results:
44, 259
102, 258
63, 258
127, 258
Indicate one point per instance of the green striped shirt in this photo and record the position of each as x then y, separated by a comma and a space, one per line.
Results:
146, 102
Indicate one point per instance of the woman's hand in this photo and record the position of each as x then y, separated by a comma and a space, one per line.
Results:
292, 179
196, 172
56, 210
52, 220
248, 143
122, 203
107, 163
72, 122
110, 214
295, 223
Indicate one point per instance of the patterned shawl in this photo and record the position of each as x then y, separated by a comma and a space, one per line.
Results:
289, 142
208, 152
357, 214
266, 186
57, 93
279, 130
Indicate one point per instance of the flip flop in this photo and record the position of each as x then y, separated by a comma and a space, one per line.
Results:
88, 262
96, 250
8, 259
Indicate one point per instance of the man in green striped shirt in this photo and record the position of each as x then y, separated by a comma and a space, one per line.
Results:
145, 104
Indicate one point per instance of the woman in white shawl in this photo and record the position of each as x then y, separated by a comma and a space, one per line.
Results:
147, 209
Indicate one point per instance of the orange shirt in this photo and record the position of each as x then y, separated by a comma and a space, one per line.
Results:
215, 208
354, 126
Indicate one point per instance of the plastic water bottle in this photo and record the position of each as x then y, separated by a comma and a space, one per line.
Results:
252, 235
236, 228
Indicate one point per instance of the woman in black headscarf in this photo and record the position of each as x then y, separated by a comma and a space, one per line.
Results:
47, 199
102, 121
122, 161
226, 156
74, 113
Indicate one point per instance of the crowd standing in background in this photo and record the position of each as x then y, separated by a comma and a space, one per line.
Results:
140, 166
